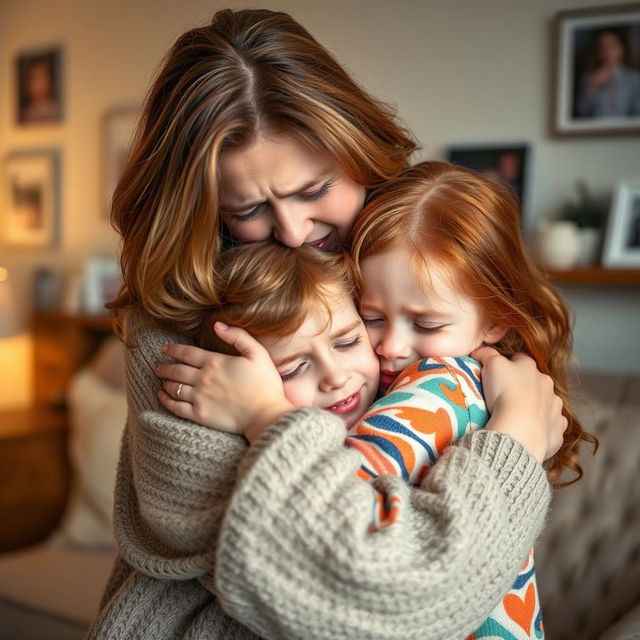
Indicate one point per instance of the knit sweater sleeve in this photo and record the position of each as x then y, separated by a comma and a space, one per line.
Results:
174, 477
296, 558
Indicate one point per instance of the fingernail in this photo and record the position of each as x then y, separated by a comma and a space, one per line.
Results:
222, 326
165, 348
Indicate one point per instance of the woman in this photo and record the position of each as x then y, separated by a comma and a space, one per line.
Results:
253, 131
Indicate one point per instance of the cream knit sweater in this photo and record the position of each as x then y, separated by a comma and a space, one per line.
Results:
275, 535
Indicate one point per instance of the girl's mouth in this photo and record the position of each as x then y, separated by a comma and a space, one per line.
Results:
387, 378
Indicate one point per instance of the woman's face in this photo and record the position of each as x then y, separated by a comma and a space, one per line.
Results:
276, 187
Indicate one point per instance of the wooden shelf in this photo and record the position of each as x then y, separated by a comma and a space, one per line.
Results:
597, 276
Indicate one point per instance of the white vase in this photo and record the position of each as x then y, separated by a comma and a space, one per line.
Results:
558, 244
589, 247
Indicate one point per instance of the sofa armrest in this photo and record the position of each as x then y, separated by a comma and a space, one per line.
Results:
628, 628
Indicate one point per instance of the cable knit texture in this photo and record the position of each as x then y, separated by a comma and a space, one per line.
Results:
280, 530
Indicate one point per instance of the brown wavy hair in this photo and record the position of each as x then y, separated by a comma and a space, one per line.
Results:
247, 72
269, 289
469, 225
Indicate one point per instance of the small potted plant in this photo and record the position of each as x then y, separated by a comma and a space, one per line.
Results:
588, 215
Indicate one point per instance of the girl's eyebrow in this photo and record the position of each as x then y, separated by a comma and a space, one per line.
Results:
303, 187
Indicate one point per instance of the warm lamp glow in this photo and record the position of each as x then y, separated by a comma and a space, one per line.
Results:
8, 320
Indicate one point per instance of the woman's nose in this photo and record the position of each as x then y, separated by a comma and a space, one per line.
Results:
394, 345
292, 227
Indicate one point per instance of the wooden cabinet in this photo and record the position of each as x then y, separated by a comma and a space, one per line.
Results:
35, 472
62, 344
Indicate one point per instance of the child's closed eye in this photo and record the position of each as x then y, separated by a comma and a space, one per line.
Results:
350, 344
298, 371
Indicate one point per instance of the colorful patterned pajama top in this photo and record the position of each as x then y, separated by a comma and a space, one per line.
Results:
433, 403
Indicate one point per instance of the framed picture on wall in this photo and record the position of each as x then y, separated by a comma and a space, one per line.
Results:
597, 71
30, 214
117, 131
101, 282
39, 86
622, 240
505, 162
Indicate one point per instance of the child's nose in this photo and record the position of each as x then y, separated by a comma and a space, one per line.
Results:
394, 345
333, 377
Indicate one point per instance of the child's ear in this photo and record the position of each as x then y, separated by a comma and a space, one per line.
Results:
494, 333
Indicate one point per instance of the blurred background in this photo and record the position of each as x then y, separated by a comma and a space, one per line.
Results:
475, 81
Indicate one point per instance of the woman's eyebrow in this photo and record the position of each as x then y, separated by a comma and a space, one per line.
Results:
293, 192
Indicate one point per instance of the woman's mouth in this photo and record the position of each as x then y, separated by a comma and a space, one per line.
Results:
387, 378
330, 242
349, 404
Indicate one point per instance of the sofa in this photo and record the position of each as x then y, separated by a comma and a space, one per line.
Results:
588, 559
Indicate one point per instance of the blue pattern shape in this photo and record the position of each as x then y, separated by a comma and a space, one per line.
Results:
493, 629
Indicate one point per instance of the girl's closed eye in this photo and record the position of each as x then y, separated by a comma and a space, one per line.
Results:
423, 327
372, 321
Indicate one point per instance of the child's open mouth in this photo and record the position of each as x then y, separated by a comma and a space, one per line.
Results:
347, 405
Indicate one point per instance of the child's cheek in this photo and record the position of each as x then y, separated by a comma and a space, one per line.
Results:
299, 394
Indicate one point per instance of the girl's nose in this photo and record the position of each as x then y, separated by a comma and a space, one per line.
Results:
394, 345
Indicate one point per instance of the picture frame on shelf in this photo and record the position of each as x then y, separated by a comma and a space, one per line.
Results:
101, 281
118, 126
622, 238
596, 68
39, 86
31, 183
507, 162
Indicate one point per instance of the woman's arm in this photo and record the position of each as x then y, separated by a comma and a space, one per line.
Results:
174, 477
296, 558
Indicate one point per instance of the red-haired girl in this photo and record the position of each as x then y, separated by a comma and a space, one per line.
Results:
443, 272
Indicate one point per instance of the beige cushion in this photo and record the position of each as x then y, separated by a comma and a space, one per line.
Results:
97, 415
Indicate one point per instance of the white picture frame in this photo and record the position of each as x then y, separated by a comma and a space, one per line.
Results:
622, 238
582, 102
101, 282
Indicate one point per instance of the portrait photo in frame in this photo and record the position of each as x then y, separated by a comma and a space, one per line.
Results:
118, 127
508, 163
30, 215
622, 240
39, 86
596, 68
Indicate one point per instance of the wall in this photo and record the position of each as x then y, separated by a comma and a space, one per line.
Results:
459, 72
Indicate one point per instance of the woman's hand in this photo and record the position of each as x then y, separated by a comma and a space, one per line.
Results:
238, 394
522, 402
